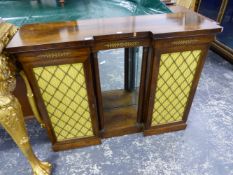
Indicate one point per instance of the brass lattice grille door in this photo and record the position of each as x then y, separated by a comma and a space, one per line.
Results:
177, 72
63, 90
65, 98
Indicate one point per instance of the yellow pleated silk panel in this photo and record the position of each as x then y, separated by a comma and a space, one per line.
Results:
64, 92
176, 74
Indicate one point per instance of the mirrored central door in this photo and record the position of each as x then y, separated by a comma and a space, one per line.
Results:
119, 77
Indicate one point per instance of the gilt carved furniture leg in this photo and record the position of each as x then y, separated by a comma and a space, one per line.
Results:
11, 118
31, 99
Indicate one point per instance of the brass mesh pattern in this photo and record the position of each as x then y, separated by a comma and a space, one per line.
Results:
64, 92
176, 74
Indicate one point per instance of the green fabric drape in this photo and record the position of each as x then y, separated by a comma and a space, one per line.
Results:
21, 12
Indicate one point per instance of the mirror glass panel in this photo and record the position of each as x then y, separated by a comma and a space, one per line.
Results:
120, 74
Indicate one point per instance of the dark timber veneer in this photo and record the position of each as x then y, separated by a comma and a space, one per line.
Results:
61, 63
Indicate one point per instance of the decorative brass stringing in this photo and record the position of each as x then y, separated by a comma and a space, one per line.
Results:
11, 116
184, 42
122, 44
52, 55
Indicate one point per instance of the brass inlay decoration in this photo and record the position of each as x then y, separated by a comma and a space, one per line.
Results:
184, 42
11, 115
63, 89
122, 44
175, 78
52, 55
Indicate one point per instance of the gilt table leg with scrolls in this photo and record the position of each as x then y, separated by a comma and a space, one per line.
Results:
11, 118
31, 100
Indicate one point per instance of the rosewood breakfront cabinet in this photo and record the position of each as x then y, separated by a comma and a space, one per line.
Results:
61, 63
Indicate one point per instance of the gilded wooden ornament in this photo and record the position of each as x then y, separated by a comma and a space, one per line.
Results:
11, 116
31, 99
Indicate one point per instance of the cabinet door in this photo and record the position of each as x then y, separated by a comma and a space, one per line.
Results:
174, 78
62, 83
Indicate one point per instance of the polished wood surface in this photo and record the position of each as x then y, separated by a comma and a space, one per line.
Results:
119, 98
39, 45
33, 36
120, 112
41, 36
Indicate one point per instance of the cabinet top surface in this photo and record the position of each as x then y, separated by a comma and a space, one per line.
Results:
181, 21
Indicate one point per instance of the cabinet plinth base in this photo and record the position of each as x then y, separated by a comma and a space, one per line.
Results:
72, 144
121, 132
165, 129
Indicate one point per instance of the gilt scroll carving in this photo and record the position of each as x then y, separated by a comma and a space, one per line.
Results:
11, 116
